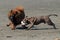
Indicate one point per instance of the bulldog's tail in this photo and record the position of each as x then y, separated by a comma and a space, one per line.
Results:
52, 15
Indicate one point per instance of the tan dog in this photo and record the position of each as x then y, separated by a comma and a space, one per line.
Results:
37, 20
16, 16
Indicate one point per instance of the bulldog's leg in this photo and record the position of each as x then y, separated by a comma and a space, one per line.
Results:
30, 26
9, 24
12, 26
49, 22
52, 24
33, 19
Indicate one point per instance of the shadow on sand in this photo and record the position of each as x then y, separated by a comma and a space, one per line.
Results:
43, 29
21, 28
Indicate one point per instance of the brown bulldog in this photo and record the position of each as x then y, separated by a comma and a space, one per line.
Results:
16, 16
37, 20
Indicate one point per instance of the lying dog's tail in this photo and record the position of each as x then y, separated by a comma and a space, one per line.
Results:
52, 15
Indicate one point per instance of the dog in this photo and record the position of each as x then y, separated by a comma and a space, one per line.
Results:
16, 16
37, 20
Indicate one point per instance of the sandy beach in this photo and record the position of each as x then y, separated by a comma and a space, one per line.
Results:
32, 8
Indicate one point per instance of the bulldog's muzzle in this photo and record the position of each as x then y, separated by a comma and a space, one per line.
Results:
13, 19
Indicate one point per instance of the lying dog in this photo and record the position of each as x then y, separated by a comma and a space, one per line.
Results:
16, 16
37, 20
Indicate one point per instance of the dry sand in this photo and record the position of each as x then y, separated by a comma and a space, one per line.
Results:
32, 8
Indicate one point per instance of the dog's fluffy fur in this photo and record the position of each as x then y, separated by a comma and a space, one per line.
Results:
16, 16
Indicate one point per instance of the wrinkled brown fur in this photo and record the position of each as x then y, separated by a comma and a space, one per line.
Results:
37, 20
